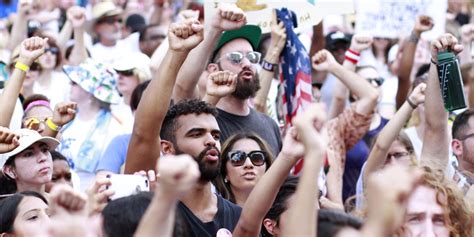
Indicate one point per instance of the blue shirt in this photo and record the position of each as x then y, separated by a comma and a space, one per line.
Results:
115, 154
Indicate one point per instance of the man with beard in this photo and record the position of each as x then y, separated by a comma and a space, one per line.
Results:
188, 127
107, 27
235, 52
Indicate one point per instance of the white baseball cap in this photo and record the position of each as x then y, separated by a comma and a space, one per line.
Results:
27, 138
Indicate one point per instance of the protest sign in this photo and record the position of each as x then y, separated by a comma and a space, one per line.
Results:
309, 12
395, 18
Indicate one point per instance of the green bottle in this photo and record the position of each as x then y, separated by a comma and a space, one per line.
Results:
450, 81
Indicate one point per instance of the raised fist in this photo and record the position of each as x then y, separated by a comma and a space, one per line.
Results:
31, 49
323, 60
8, 140
278, 39
423, 23
309, 126
221, 83
446, 42
64, 112
77, 16
229, 17
178, 174
361, 42
185, 36
418, 94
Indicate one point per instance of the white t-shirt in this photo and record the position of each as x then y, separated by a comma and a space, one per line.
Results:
58, 90
124, 114
109, 55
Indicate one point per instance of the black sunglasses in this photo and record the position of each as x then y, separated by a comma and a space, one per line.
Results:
35, 67
379, 81
237, 158
53, 50
126, 73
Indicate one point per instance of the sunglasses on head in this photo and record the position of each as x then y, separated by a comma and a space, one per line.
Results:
110, 20
237, 57
53, 50
125, 72
237, 158
379, 81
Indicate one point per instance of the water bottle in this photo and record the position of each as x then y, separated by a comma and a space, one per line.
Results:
450, 81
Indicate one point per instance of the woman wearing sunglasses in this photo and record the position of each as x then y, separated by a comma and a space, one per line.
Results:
245, 158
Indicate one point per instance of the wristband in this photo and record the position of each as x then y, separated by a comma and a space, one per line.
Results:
51, 125
352, 56
433, 62
22, 66
268, 66
413, 38
413, 105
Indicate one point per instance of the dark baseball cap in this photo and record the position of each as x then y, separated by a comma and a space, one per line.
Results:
337, 37
251, 33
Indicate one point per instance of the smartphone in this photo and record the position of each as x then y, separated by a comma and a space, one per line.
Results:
126, 185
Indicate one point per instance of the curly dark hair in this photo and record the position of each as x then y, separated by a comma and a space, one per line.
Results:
185, 107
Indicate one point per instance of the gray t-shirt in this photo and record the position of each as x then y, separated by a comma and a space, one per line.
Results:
256, 122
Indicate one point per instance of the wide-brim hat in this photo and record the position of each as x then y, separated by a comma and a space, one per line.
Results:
100, 10
27, 138
96, 78
251, 33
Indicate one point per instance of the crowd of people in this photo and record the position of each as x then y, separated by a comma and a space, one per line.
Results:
137, 118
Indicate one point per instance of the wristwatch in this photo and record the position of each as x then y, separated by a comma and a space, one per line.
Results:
268, 66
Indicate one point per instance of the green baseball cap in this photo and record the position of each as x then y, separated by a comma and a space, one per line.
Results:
251, 33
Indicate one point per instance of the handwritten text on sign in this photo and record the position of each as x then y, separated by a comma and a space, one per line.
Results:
393, 18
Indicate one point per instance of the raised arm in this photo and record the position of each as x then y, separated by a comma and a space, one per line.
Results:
272, 57
423, 23
340, 91
367, 95
63, 113
228, 17
20, 24
178, 174
264, 193
219, 84
144, 147
467, 36
30, 50
389, 133
435, 149
303, 211
77, 17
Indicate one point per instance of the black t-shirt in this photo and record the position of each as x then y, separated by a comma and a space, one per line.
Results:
226, 217
256, 122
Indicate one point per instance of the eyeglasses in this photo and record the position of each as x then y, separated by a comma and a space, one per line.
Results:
398, 155
466, 137
110, 20
53, 50
379, 80
34, 123
237, 158
237, 57
126, 73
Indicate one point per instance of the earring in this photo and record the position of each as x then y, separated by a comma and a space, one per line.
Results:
225, 180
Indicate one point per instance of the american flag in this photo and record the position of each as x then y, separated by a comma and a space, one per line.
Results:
295, 73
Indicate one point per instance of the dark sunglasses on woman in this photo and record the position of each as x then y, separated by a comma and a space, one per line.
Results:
237, 158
